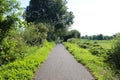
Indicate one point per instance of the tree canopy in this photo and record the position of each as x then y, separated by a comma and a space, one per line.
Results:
72, 34
8, 16
12, 45
53, 12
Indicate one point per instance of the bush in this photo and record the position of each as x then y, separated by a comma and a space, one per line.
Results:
98, 50
74, 40
94, 48
72, 34
24, 69
114, 56
85, 45
35, 34
12, 47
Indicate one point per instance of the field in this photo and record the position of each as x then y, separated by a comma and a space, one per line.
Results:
93, 54
104, 43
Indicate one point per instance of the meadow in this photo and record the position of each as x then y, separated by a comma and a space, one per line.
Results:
93, 54
104, 43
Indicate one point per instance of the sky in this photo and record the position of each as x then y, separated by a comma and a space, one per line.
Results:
93, 17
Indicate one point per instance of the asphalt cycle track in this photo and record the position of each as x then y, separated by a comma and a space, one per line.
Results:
61, 65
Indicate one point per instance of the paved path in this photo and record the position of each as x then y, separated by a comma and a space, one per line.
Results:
61, 65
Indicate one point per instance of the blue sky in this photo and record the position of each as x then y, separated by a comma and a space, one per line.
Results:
93, 16
24, 3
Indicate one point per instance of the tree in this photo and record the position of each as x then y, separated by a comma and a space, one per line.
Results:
35, 34
12, 45
75, 34
8, 16
53, 12
100, 37
72, 34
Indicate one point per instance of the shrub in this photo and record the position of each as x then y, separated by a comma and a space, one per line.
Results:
35, 34
114, 56
24, 69
12, 47
98, 50
85, 45
94, 48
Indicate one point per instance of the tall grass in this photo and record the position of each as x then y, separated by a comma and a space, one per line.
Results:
24, 69
96, 64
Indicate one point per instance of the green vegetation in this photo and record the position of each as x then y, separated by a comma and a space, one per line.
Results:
24, 69
114, 57
23, 44
107, 44
35, 34
43, 20
72, 34
98, 37
52, 12
94, 56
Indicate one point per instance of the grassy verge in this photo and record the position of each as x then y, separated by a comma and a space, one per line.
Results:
24, 69
95, 64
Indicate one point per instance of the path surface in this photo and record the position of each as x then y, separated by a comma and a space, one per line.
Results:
61, 65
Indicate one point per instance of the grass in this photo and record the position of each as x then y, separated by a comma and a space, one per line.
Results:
24, 69
95, 64
107, 44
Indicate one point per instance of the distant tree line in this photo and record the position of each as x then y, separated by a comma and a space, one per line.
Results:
98, 37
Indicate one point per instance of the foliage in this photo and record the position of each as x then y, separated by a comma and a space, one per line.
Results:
71, 34
8, 16
96, 47
12, 47
24, 69
14, 34
96, 64
114, 57
85, 43
53, 12
97, 50
106, 44
35, 34
98, 37
73, 40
